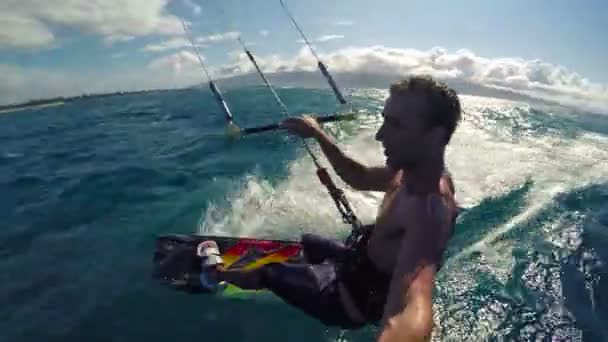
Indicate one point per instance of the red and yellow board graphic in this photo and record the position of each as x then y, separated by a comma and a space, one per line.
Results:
252, 253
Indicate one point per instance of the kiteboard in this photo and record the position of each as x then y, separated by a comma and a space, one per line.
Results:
177, 264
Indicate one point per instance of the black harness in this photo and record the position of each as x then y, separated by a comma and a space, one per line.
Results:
367, 285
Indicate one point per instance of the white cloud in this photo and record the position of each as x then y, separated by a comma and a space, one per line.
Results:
531, 77
111, 39
329, 37
176, 61
218, 37
343, 23
28, 23
323, 38
179, 42
196, 9
171, 44
19, 31
264, 33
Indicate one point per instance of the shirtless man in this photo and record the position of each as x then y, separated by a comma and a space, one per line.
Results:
388, 276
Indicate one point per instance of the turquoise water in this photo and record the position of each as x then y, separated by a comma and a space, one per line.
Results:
87, 186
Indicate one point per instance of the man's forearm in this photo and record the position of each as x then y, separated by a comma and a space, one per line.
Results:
408, 312
351, 171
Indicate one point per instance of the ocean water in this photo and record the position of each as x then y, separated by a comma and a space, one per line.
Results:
87, 186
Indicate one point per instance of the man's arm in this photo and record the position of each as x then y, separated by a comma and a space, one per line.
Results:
410, 318
352, 172
408, 312
355, 174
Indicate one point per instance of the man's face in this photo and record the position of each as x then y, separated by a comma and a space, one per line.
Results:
403, 133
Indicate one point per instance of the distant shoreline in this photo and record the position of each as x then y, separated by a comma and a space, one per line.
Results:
35, 104
20, 107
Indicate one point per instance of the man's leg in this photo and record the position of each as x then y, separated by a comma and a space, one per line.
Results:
283, 277
318, 248
310, 288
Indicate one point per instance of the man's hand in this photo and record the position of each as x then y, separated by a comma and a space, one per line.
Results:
304, 126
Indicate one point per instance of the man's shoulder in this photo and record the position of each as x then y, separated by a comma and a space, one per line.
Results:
447, 192
447, 189
446, 183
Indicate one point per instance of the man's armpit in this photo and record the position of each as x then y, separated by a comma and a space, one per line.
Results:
381, 178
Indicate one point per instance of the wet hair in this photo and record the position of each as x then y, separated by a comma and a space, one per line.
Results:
443, 103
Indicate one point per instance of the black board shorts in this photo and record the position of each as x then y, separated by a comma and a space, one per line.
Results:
313, 288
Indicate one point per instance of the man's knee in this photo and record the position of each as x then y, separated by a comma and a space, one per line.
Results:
285, 278
318, 248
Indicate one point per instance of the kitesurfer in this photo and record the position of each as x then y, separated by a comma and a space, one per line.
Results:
387, 277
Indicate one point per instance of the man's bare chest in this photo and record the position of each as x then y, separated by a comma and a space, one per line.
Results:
399, 216
389, 231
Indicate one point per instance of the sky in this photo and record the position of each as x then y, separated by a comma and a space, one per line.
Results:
549, 48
